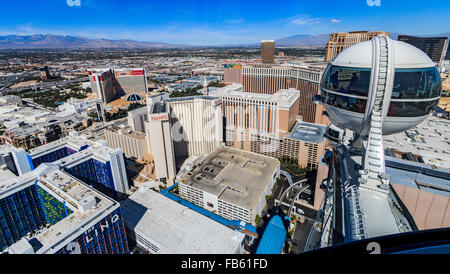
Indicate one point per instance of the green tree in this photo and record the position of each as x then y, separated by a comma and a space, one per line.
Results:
257, 219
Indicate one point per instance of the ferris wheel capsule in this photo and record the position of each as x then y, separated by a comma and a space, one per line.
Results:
411, 86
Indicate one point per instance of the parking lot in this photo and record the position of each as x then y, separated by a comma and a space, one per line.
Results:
300, 236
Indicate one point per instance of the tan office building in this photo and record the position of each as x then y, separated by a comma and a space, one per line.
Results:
233, 74
268, 51
266, 124
304, 144
274, 114
342, 40
133, 144
178, 128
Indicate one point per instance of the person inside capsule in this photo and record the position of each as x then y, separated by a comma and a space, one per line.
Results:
347, 88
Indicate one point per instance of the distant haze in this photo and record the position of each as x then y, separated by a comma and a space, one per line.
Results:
40, 41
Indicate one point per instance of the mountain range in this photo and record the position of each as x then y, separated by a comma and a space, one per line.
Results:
38, 41
49, 41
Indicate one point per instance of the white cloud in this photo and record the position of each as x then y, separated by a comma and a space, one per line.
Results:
335, 21
305, 21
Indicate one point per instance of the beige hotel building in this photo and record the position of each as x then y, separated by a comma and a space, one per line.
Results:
342, 40
267, 124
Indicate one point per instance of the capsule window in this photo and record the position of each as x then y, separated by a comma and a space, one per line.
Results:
411, 109
347, 80
421, 83
344, 102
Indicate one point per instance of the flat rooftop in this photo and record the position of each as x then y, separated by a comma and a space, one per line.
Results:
9, 182
418, 175
378, 215
430, 139
307, 132
159, 107
235, 176
76, 142
76, 194
190, 98
284, 97
126, 131
98, 150
176, 229
6, 148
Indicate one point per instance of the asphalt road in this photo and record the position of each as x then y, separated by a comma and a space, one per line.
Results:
308, 212
300, 236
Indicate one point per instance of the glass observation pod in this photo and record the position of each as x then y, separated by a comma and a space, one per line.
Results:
347, 83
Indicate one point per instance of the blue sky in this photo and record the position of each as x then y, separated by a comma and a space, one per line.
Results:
209, 22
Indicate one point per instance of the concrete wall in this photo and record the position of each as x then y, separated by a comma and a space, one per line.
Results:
161, 146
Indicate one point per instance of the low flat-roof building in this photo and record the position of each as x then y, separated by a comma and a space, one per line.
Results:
231, 182
28, 127
163, 226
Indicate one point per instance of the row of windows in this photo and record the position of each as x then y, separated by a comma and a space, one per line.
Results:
396, 109
225, 205
147, 244
247, 101
266, 71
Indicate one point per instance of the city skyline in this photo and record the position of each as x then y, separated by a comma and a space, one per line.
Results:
207, 23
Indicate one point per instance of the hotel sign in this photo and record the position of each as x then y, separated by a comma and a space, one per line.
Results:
160, 117
74, 247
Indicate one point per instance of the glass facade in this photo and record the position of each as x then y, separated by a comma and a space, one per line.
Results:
27, 211
53, 156
106, 237
54, 210
94, 172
